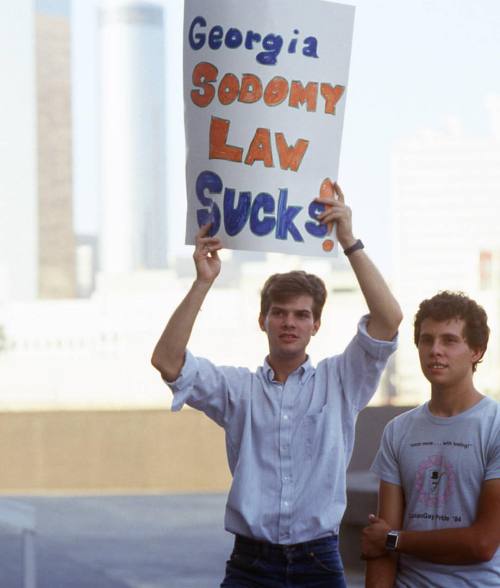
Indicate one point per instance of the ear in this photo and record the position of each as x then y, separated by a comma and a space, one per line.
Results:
477, 354
262, 322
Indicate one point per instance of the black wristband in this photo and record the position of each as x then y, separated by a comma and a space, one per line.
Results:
355, 247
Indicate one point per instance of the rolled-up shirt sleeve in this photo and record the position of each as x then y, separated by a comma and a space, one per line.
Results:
362, 364
206, 387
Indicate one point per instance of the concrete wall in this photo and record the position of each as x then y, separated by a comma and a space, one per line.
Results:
137, 451
111, 451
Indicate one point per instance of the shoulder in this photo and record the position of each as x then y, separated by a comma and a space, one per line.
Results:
487, 414
404, 421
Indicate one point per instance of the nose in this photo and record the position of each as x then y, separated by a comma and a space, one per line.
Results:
288, 320
436, 348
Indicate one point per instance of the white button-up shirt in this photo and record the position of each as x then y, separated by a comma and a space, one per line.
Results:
288, 444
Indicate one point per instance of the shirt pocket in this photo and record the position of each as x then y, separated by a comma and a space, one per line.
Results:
312, 434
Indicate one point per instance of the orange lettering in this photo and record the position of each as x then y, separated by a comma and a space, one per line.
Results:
276, 91
228, 89
204, 74
299, 95
290, 157
251, 89
219, 129
260, 148
331, 96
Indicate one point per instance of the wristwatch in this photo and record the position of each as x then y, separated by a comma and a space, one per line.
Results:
392, 540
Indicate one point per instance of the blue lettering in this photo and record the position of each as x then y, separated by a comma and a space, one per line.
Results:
262, 212
250, 38
272, 45
196, 41
292, 47
264, 226
234, 38
316, 229
285, 216
236, 218
215, 37
310, 47
208, 181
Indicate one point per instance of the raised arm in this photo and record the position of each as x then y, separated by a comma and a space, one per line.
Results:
385, 312
168, 355
458, 546
381, 570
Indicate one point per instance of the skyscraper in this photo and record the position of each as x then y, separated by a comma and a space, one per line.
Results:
132, 122
56, 239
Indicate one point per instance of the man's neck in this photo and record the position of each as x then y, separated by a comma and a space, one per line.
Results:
448, 402
283, 367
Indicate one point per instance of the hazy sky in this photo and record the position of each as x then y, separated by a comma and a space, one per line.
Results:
415, 63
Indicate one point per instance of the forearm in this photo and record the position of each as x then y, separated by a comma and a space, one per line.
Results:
169, 352
385, 312
381, 572
447, 546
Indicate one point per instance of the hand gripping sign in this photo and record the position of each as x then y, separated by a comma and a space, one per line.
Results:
264, 89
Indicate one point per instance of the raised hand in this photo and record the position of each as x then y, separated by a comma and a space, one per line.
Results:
206, 258
336, 211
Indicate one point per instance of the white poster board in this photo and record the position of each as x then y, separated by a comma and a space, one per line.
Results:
264, 90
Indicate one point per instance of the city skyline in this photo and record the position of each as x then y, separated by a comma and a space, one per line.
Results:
401, 167
399, 85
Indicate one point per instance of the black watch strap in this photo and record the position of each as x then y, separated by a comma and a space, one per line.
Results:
358, 245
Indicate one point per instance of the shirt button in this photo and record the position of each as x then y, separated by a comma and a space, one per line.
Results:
285, 503
285, 417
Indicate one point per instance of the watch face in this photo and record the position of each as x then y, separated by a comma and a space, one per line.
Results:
392, 540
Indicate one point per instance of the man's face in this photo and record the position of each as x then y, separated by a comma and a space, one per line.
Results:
289, 326
445, 356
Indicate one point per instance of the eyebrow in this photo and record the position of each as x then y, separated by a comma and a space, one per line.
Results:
278, 307
430, 335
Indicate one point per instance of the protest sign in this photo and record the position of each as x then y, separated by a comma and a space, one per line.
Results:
265, 90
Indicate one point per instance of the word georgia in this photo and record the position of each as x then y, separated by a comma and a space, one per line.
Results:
233, 38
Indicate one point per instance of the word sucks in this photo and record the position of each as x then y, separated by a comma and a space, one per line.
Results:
233, 38
263, 213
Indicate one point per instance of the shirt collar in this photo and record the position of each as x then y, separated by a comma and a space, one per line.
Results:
304, 371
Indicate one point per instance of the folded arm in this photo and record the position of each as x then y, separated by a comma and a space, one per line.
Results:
460, 546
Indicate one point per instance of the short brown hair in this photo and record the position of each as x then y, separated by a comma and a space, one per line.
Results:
447, 305
282, 287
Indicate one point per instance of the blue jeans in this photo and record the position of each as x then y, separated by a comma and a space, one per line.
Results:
314, 564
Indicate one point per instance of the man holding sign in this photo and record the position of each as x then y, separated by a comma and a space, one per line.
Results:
289, 426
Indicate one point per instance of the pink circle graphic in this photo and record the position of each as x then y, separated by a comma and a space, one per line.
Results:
435, 481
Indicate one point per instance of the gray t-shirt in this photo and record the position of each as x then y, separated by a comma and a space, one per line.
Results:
441, 463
